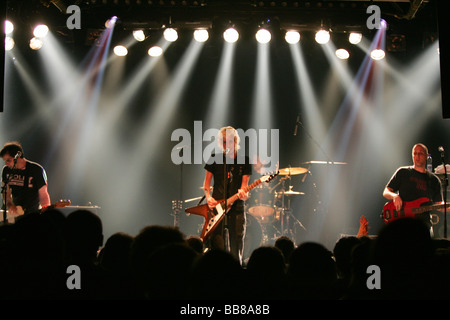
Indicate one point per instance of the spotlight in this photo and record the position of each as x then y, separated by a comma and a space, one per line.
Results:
292, 37
322, 36
355, 37
110, 22
231, 35
201, 35
9, 27
342, 54
120, 51
170, 34
377, 54
263, 36
36, 43
139, 35
40, 31
155, 51
9, 43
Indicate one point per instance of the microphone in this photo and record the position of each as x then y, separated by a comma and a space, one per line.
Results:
441, 150
296, 125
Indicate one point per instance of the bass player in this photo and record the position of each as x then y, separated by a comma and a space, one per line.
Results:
410, 183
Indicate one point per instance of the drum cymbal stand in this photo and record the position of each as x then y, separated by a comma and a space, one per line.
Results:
283, 207
286, 211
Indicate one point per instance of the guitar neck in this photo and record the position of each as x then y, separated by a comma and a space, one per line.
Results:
429, 208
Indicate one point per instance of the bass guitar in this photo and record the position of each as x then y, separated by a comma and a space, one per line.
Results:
409, 210
215, 215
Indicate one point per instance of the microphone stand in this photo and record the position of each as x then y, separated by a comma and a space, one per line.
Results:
445, 185
329, 161
298, 122
226, 234
4, 189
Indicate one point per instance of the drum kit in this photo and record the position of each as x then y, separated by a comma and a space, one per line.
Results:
269, 212
270, 207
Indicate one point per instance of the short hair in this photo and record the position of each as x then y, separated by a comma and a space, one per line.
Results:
420, 145
12, 148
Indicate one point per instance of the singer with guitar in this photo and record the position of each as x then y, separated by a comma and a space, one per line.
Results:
24, 182
411, 186
230, 172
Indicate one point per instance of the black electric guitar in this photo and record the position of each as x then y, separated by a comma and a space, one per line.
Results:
215, 215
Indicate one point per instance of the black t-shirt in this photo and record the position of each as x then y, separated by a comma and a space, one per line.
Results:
412, 184
236, 168
25, 185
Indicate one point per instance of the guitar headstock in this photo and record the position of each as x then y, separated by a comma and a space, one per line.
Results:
62, 204
269, 177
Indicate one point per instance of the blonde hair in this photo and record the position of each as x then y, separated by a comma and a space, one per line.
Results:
229, 130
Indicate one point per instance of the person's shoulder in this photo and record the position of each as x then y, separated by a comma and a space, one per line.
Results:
405, 169
34, 165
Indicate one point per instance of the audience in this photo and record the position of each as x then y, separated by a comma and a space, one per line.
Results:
161, 263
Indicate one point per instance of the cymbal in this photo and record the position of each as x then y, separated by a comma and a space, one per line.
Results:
290, 193
292, 171
323, 162
192, 199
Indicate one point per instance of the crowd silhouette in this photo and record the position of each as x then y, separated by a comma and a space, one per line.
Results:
161, 263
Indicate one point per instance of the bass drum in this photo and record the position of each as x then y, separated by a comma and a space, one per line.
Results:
260, 204
253, 236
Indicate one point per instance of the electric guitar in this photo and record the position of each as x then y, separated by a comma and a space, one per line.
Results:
11, 217
214, 216
409, 209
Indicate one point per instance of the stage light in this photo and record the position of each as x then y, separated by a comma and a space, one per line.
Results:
292, 37
155, 51
170, 34
36, 43
322, 36
231, 35
9, 43
201, 35
120, 51
9, 27
263, 36
377, 54
139, 35
110, 22
342, 54
355, 37
40, 31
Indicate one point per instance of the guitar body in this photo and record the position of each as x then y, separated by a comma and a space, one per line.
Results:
215, 215
212, 217
409, 210
11, 218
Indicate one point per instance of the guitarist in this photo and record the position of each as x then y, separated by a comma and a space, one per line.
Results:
25, 182
413, 182
238, 171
